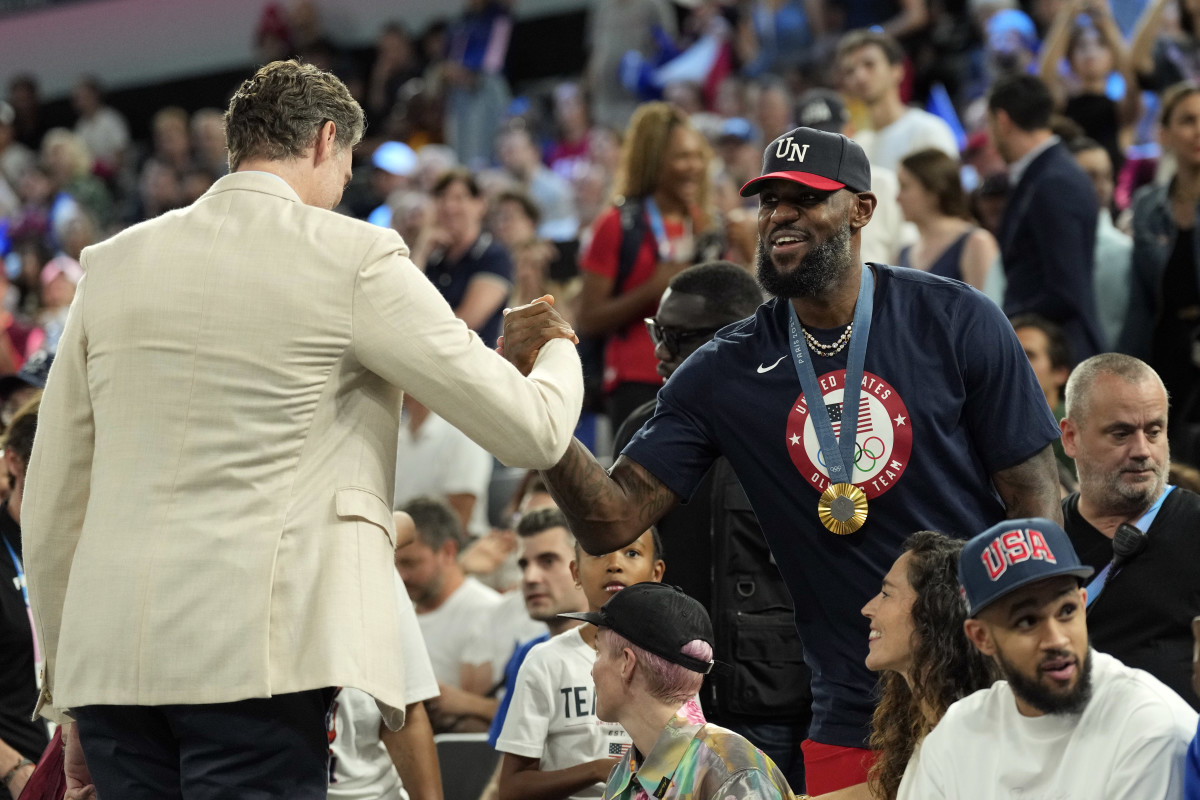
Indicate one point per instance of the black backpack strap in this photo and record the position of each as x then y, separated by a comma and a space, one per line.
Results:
634, 227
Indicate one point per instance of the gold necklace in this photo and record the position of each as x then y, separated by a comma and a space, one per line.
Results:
827, 350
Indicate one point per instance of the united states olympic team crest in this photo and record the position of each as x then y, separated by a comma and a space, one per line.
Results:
884, 440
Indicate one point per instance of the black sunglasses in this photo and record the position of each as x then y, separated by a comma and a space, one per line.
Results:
673, 338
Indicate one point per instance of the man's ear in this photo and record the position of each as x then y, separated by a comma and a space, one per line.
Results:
1004, 122
628, 665
326, 143
1070, 436
862, 210
980, 636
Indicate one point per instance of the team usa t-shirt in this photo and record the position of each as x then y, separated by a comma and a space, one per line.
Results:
552, 716
947, 399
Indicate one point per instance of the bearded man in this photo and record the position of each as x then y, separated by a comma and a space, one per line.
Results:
1067, 721
1116, 430
950, 430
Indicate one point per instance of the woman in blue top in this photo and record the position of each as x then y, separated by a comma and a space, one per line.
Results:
932, 198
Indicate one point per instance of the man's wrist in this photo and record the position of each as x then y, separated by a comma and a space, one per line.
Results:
12, 773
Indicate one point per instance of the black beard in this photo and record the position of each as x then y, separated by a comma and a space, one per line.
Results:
1045, 700
819, 269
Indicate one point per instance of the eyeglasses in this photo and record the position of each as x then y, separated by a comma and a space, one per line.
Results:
673, 338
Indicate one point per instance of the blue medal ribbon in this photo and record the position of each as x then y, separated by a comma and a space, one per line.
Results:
658, 228
838, 452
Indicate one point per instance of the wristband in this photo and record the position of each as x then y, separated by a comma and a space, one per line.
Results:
12, 773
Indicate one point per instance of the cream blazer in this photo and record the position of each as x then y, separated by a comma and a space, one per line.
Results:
208, 513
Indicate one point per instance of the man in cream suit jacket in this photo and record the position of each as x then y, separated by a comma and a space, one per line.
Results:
208, 529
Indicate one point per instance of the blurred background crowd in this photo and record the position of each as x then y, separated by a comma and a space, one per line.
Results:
652, 113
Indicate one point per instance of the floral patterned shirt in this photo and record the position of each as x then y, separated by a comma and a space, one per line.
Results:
693, 760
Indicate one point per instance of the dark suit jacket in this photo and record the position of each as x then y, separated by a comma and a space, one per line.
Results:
1047, 244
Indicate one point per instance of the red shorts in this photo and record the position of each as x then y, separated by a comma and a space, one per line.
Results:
828, 767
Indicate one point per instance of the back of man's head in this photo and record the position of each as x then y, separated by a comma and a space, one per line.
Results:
1025, 99
727, 289
277, 113
435, 521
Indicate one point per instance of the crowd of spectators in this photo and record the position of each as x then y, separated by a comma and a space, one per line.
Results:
1047, 153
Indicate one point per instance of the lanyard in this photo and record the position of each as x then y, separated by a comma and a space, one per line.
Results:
666, 248
1143, 524
20, 572
838, 453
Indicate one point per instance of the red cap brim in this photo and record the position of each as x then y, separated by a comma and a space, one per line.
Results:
815, 181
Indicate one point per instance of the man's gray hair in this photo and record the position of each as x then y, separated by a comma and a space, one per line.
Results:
435, 521
1083, 377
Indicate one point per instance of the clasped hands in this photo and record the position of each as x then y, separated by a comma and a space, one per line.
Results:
527, 328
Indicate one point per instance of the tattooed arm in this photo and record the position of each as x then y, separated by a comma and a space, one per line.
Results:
610, 509
1030, 489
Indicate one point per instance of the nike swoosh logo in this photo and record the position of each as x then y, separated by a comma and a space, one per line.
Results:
762, 369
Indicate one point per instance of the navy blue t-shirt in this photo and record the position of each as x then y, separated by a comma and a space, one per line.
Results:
486, 257
948, 398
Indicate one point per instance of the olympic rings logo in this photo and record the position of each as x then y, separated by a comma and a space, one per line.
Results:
866, 455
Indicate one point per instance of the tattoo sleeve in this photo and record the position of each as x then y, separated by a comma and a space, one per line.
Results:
606, 509
1030, 489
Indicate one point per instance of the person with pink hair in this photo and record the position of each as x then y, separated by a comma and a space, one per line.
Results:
654, 648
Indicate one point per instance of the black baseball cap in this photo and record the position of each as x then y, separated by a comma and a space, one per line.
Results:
658, 618
33, 374
816, 158
1013, 554
822, 110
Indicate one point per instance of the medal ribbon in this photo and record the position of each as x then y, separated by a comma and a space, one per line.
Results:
838, 453
668, 249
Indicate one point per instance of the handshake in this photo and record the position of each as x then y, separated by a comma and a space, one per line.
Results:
527, 328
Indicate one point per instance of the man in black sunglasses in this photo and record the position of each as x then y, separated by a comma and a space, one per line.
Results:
698, 302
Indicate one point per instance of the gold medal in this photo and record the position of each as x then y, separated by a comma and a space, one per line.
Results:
842, 508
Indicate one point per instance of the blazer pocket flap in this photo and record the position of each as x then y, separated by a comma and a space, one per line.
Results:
355, 503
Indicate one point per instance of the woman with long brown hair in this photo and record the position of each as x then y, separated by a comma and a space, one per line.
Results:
927, 663
662, 204
932, 198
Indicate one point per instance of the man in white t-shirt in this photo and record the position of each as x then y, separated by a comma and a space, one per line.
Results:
434, 457
553, 743
882, 240
448, 604
871, 65
1068, 722
366, 760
